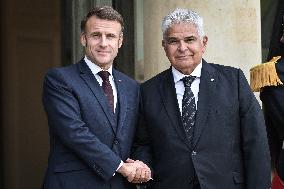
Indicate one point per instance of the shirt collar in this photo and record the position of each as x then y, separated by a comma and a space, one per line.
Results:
95, 68
178, 75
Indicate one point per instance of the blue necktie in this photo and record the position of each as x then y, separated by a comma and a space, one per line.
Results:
188, 107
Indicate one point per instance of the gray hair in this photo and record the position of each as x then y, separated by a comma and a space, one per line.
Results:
183, 16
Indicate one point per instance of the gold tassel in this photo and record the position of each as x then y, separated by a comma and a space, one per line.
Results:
265, 74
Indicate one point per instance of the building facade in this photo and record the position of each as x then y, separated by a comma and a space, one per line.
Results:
38, 35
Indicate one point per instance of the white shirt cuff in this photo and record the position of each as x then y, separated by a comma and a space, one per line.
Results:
121, 163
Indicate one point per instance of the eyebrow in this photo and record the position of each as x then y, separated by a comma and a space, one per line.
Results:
177, 38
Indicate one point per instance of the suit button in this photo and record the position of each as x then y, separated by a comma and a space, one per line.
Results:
116, 142
193, 153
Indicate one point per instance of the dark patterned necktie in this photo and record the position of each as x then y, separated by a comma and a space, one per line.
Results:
107, 87
188, 107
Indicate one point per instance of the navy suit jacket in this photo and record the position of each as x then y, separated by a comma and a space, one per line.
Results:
87, 144
230, 149
272, 98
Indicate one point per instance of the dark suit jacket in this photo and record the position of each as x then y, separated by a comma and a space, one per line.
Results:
230, 149
272, 98
86, 143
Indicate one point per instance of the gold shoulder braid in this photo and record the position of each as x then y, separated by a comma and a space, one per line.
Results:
264, 74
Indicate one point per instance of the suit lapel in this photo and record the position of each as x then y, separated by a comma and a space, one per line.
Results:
91, 81
168, 94
206, 94
121, 98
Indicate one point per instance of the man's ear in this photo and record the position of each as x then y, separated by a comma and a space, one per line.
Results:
204, 43
205, 40
83, 39
120, 40
163, 43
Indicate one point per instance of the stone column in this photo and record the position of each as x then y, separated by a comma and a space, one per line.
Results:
73, 12
233, 28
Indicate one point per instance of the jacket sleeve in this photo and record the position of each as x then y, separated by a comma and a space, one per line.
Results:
141, 149
254, 138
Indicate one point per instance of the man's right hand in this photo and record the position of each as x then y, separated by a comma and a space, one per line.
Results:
135, 171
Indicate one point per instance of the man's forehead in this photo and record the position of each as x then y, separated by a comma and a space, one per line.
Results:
181, 35
182, 28
104, 28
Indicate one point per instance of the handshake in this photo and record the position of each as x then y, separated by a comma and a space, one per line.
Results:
135, 171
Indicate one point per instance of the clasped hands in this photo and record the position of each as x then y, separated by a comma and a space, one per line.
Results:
135, 171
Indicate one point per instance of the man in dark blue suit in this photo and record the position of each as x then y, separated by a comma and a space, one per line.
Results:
272, 97
92, 112
201, 126
272, 100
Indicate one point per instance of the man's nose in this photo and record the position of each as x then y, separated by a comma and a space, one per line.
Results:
182, 45
103, 41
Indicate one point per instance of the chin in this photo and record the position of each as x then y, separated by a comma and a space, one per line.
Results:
104, 61
185, 64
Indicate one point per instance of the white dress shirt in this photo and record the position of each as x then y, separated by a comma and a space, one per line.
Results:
180, 86
95, 70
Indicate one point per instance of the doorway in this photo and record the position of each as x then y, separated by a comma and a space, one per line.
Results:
30, 45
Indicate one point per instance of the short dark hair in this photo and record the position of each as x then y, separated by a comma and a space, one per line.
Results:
103, 12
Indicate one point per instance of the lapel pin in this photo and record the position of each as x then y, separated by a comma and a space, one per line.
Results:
119, 80
212, 79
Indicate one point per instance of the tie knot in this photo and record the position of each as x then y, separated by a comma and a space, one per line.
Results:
104, 75
188, 80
